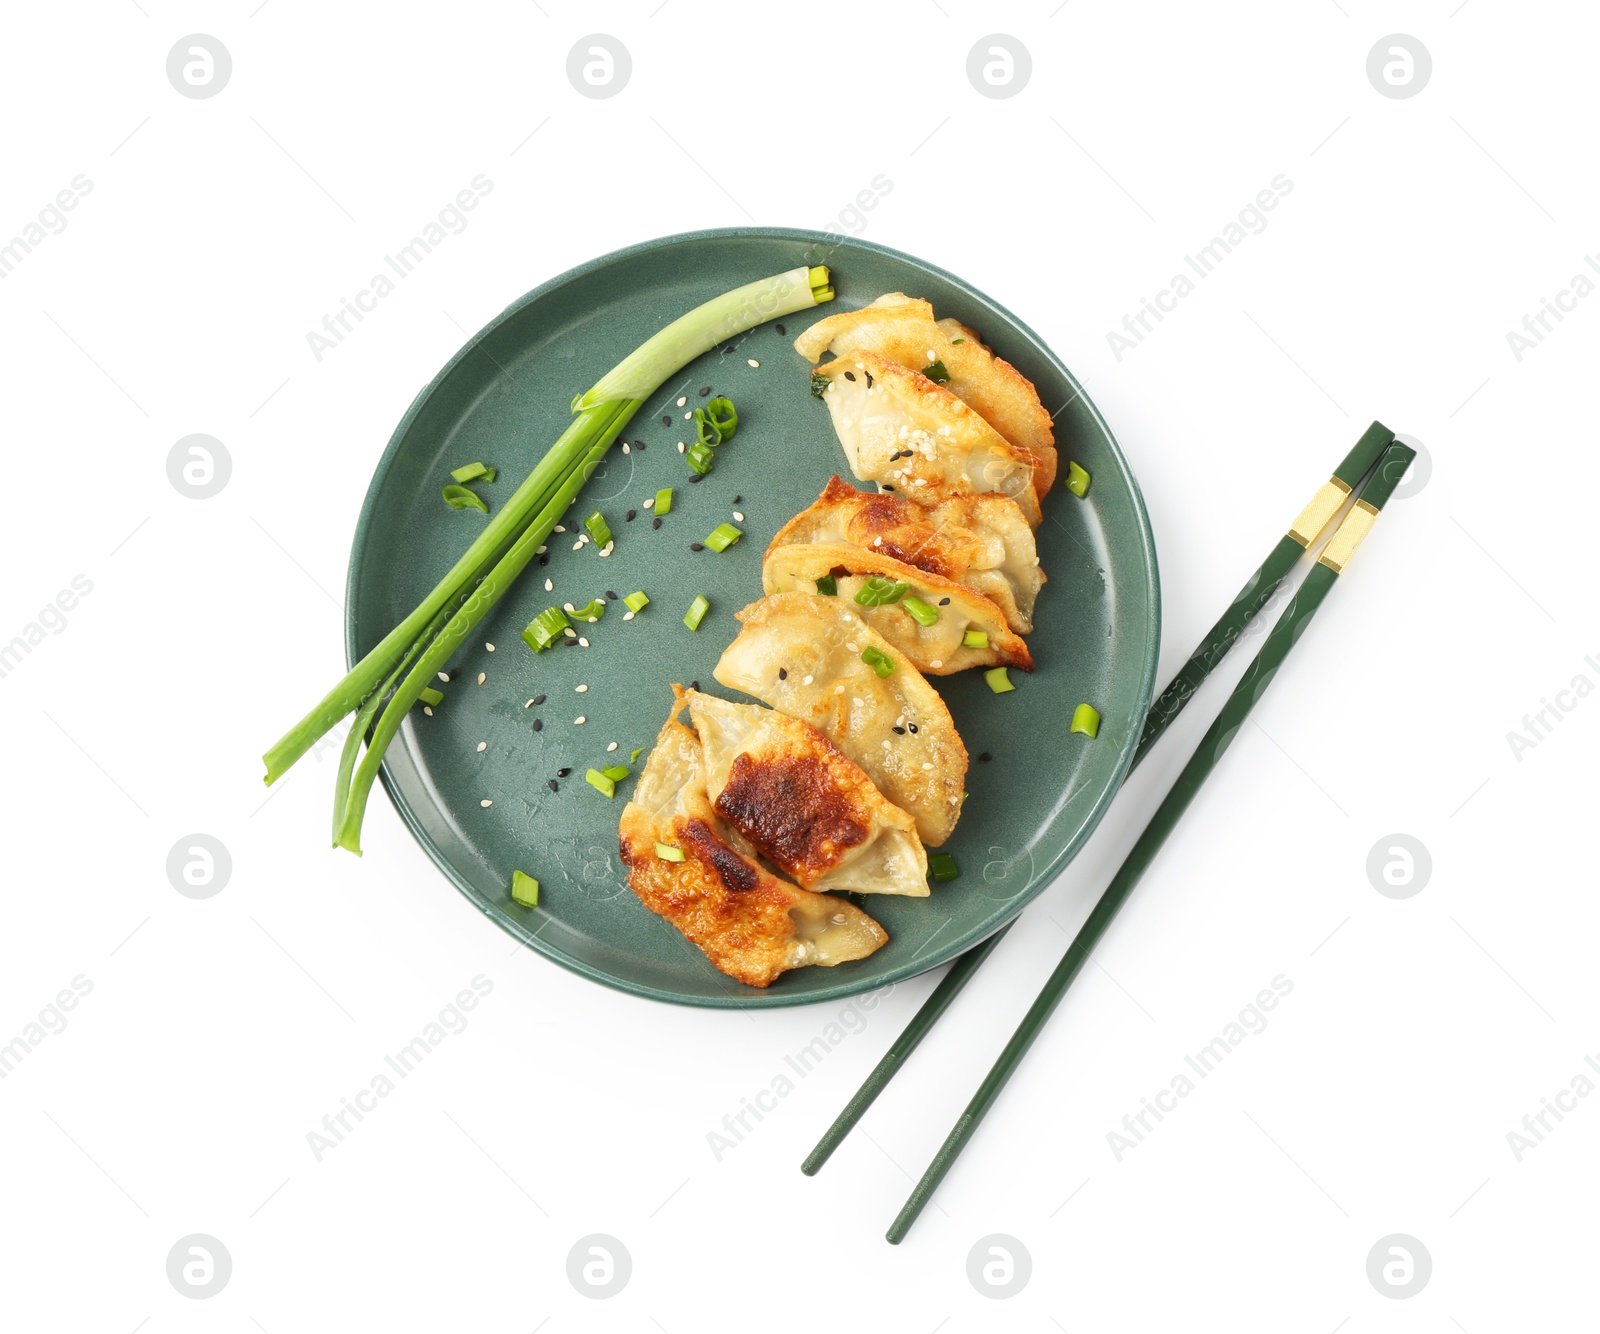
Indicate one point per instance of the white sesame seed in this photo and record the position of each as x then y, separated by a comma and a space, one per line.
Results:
579, 721
806, 681
857, 702
683, 400
567, 606
611, 747
886, 745
482, 746
582, 690
680, 446
927, 766
737, 517
688, 416
486, 803
548, 585
583, 642
578, 545
482, 677
569, 632
937, 662
594, 620
626, 447
445, 677
900, 721
490, 647
528, 705
428, 709
561, 528
751, 361
649, 502
608, 548
627, 616
541, 551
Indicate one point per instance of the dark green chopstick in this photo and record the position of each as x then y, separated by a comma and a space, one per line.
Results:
1222, 636
1285, 634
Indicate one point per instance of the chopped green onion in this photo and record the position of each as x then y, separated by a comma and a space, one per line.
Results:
524, 889
921, 612
936, 372
975, 639
705, 429
607, 787
592, 610
723, 536
696, 613
955, 341
878, 660
668, 853
636, 601
1086, 719
473, 472
721, 413
430, 696
880, 592
664, 500
942, 866
1077, 481
598, 528
819, 384
700, 458
998, 681
615, 772
545, 628
634, 758
828, 586
459, 498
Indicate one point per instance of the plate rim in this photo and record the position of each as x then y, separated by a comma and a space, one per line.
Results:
1040, 880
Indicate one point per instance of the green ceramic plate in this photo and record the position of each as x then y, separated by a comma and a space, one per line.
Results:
504, 398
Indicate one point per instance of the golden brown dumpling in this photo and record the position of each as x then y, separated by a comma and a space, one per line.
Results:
803, 804
919, 440
801, 654
903, 329
980, 541
939, 648
750, 924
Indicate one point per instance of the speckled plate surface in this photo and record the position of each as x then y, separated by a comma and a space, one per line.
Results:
503, 399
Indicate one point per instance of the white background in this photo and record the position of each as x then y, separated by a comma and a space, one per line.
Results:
218, 1033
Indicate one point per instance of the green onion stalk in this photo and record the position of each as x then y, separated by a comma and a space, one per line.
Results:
401, 665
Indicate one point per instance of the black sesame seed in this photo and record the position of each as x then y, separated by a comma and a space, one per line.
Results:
704, 390
697, 477
452, 674
655, 523
868, 374
552, 785
780, 330
638, 444
850, 375
538, 724
544, 559
562, 773
611, 595
696, 546
985, 757
737, 499
944, 602
536, 701
727, 349
666, 420
783, 673
694, 685
898, 731
887, 487
913, 728
632, 515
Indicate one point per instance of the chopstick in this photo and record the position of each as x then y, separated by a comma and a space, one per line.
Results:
1256, 593
1258, 676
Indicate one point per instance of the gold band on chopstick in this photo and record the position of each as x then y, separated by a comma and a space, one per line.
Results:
1314, 517
1342, 545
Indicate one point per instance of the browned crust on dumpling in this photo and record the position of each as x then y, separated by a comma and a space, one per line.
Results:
792, 807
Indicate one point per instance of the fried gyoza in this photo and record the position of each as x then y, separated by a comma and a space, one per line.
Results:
750, 924
801, 654
803, 805
980, 541
903, 329
916, 438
